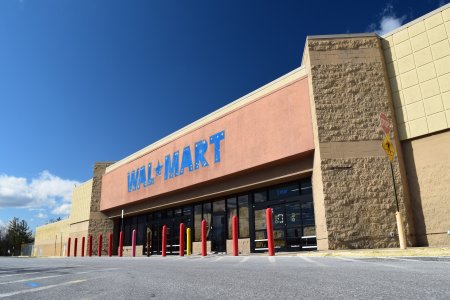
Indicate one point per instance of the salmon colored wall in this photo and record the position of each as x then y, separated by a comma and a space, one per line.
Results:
274, 127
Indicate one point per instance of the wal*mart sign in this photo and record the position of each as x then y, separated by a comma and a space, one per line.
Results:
145, 175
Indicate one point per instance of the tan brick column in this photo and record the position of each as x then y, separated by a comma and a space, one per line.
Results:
98, 221
352, 183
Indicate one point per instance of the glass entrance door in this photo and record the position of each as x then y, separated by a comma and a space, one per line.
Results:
279, 227
293, 226
218, 226
218, 233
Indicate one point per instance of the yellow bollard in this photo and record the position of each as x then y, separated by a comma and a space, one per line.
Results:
188, 241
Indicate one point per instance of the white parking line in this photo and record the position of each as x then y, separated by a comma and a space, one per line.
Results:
40, 288
34, 278
346, 259
58, 275
217, 259
192, 258
20, 274
416, 260
312, 261
35, 271
371, 262
244, 259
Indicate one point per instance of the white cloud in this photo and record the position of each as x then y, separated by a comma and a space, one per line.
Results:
48, 186
388, 21
47, 191
14, 191
63, 209
41, 216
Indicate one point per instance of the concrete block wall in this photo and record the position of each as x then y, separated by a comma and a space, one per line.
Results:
243, 246
98, 221
352, 184
197, 248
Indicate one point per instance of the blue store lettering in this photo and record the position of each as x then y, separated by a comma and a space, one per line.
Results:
144, 176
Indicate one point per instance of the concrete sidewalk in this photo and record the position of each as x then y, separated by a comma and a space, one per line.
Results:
385, 252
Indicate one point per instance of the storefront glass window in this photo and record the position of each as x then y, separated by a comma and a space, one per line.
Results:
284, 192
187, 211
198, 222
308, 212
140, 234
244, 231
260, 219
219, 206
231, 211
260, 196
207, 217
306, 187
127, 232
293, 217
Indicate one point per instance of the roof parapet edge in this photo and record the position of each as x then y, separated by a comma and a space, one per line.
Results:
340, 36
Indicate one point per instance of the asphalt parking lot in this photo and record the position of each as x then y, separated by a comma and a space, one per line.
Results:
225, 277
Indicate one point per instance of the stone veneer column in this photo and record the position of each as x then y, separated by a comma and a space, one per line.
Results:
352, 183
98, 221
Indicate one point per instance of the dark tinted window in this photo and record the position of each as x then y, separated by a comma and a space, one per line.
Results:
244, 231
219, 206
306, 187
260, 196
284, 192
231, 211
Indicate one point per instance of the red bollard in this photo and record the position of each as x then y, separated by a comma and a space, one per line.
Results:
235, 236
204, 238
269, 227
90, 246
164, 240
110, 240
75, 247
82, 246
133, 243
181, 247
121, 244
100, 243
68, 248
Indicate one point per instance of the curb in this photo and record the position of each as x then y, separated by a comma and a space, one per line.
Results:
385, 252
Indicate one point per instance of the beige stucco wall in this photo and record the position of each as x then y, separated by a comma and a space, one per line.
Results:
428, 168
418, 63
51, 239
76, 226
79, 217
81, 199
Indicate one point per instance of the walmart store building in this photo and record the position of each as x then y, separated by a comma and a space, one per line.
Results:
307, 145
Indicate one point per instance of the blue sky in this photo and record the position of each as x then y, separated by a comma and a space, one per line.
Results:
85, 80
